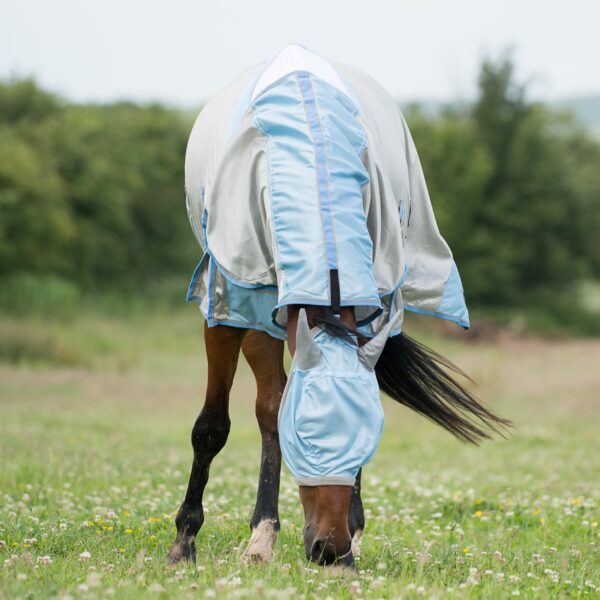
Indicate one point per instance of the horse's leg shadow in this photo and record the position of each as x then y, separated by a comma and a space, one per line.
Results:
265, 357
209, 435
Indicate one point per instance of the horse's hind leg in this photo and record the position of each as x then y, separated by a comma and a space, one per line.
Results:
208, 435
265, 357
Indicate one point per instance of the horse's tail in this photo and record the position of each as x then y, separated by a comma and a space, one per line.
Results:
420, 378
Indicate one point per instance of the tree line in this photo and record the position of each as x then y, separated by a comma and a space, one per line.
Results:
93, 194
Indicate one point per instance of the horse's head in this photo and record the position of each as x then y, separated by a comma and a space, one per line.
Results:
330, 423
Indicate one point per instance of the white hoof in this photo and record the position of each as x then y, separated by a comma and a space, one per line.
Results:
355, 545
260, 547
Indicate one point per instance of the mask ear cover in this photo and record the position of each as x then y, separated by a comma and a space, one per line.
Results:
308, 354
369, 353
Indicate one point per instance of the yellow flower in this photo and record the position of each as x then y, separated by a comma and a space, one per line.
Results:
466, 549
536, 512
129, 531
153, 520
479, 514
577, 501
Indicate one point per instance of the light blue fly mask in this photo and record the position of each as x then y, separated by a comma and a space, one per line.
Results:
331, 418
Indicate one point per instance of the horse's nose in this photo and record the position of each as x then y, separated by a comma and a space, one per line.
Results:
324, 552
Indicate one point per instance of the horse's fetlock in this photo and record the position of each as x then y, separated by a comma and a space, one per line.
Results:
189, 522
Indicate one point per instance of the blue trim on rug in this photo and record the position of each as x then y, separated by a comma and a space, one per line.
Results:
453, 299
211, 301
431, 313
242, 325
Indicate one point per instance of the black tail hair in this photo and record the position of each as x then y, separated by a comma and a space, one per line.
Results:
420, 378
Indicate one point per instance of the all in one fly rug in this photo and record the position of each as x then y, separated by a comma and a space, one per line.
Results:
304, 187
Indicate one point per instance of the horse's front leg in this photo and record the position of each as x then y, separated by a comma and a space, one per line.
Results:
265, 357
209, 434
356, 516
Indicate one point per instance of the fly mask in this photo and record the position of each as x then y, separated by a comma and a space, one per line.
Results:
331, 418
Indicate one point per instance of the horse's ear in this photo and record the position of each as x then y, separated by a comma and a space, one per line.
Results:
308, 354
369, 353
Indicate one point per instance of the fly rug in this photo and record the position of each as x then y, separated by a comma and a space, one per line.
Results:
305, 191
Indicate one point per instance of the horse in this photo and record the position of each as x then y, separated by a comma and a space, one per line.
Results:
305, 191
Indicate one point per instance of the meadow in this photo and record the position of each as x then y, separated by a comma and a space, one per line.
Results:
95, 416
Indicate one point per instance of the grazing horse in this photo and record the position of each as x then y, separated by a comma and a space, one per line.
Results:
306, 194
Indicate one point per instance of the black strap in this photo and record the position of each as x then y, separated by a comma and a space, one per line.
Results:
334, 286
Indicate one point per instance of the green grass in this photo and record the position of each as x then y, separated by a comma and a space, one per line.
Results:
94, 455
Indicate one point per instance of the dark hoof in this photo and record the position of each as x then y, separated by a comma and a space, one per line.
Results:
182, 550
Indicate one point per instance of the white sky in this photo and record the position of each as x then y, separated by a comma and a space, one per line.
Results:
183, 51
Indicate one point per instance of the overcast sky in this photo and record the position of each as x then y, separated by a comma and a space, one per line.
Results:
183, 51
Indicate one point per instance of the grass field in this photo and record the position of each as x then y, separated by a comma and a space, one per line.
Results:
94, 447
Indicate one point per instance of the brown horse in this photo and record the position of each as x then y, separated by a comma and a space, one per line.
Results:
334, 518
305, 190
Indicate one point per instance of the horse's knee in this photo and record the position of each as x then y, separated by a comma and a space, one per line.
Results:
267, 412
210, 432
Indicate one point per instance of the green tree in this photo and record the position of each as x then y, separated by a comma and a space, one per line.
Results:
515, 188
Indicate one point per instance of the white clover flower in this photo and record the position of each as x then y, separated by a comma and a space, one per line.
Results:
85, 555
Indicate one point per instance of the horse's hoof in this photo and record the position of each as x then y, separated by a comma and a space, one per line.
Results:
260, 547
182, 551
355, 545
